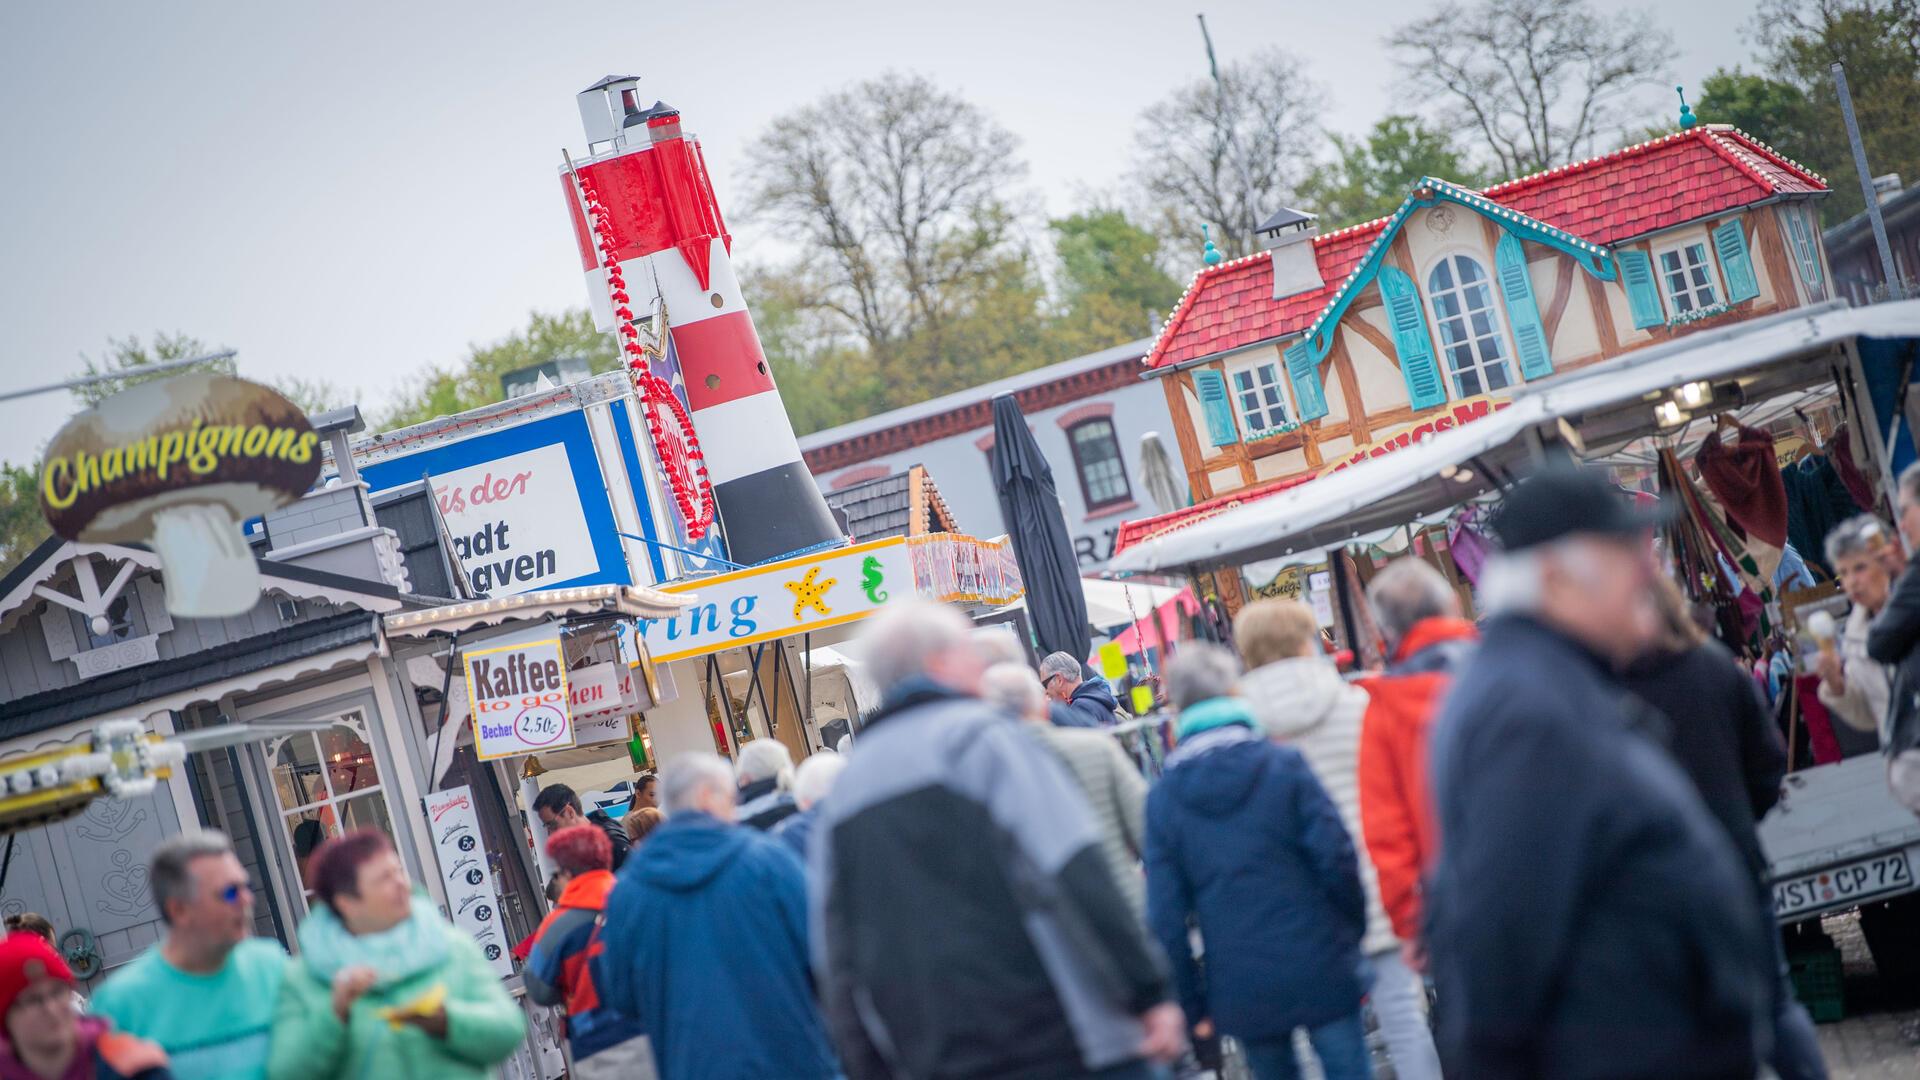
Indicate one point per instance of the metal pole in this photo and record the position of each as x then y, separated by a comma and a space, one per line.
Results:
1892, 277
111, 376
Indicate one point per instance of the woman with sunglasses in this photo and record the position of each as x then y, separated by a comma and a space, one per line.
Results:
384, 984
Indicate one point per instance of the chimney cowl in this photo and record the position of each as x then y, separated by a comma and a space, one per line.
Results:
1296, 268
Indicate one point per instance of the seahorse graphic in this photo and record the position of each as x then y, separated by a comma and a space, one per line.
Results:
871, 579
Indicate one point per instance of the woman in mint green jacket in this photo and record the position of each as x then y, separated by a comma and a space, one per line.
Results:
385, 987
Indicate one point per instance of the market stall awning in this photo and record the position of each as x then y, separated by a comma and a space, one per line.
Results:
1595, 412
621, 600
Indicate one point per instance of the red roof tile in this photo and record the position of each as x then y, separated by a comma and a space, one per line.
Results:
1604, 200
1144, 529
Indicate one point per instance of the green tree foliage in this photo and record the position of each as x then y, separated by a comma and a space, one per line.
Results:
129, 358
21, 526
476, 381
905, 202
1371, 175
1111, 283
1798, 109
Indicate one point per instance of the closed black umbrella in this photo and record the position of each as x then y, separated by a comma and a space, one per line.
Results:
1038, 529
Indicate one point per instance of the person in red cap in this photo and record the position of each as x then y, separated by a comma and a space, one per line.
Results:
46, 1039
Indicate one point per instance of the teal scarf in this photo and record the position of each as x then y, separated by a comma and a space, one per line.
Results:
416, 945
1214, 713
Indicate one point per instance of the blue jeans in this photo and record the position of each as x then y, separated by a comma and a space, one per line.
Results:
1341, 1046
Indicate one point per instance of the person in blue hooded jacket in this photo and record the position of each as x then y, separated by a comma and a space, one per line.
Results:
1077, 701
1243, 839
704, 941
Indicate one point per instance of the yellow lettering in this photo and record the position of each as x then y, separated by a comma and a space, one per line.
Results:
279, 443
256, 441
56, 468
143, 454
231, 437
112, 462
173, 447
303, 450
205, 457
86, 468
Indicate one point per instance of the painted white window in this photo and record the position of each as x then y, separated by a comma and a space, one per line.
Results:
327, 783
1096, 457
1687, 277
1471, 337
1259, 396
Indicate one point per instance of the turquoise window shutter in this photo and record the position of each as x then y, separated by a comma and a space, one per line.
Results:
1730, 240
1643, 295
1212, 388
1305, 376
1411, 340
1523, 314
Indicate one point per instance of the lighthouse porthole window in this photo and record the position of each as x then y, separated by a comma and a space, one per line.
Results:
717, 300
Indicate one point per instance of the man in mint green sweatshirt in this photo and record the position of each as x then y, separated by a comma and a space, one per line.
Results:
206, 992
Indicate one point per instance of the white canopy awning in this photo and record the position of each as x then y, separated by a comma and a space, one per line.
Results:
1604, 408
625, 600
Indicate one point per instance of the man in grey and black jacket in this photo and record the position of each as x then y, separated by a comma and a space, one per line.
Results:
966, 922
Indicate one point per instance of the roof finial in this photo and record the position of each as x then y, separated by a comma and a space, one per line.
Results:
1210, 254
1687, 119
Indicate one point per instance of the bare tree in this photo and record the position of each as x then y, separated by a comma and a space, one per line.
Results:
1538, 79
1228, 153
903, 197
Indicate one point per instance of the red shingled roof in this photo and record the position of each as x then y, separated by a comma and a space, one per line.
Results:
1644, 188
1144, 529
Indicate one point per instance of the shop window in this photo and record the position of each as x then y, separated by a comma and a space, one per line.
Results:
1686, 278
1258, 398
1461, 295
327, 783
1096, 457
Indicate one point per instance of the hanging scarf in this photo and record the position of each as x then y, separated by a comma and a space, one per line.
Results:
1700, 538
1745, 478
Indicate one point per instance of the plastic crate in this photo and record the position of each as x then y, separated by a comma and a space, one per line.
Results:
1818, 983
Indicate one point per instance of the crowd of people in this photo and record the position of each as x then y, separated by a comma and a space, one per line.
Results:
1545, 823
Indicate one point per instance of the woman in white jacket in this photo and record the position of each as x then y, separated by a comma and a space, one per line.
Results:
1301, 700
1853, 686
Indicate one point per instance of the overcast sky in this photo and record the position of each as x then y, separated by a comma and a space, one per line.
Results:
355, 191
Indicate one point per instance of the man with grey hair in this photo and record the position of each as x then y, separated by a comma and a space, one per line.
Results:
707, 933
765, 775
1083, 702
966, 922
811, 782
1418, 611
1894, 639
1113, 786
1243, 840
1577, 860
207, 992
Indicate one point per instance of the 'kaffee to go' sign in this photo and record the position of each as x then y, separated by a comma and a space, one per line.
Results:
519, 695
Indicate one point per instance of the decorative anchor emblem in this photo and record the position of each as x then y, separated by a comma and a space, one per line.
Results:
810, 594
871, 579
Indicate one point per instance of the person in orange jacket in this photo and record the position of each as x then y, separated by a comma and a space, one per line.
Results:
1419, 612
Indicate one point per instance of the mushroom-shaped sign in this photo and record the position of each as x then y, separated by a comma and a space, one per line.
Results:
179, 463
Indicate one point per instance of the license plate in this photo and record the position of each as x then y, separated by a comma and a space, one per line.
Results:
1841, 886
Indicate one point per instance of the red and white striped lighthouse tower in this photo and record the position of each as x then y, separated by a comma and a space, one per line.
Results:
646, 220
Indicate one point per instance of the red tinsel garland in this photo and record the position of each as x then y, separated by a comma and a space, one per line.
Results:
692, 491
